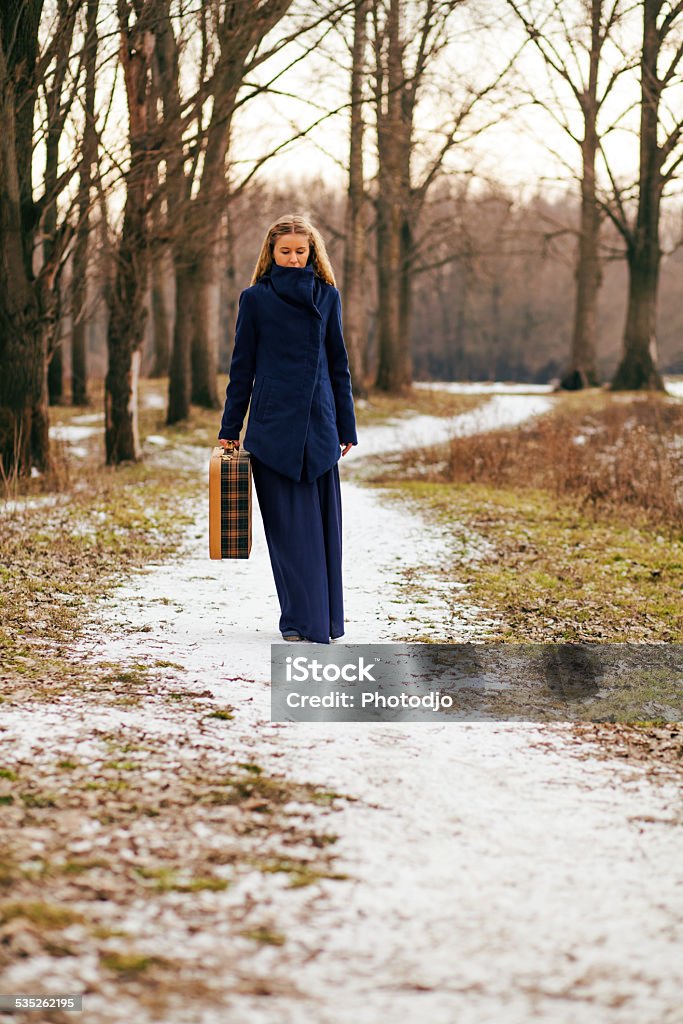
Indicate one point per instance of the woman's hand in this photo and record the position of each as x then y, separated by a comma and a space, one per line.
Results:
345, 446
224, 444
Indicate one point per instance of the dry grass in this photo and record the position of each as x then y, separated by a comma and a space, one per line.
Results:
623, 453
550, 572
380, 406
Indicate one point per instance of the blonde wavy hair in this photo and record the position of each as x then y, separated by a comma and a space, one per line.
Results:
294, 224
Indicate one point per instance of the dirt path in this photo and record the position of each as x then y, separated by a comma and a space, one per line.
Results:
490, 874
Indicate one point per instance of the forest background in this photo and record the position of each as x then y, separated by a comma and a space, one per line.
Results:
498, 185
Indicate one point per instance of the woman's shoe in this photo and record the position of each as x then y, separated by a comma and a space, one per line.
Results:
292, 636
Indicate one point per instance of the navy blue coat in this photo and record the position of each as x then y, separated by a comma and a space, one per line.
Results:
291, 361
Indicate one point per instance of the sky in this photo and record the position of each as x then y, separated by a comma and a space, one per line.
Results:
522, 146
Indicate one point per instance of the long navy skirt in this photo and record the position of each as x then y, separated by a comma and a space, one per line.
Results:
303, 526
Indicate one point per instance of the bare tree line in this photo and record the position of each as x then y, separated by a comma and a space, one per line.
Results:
180, 185
585, 31
496, 291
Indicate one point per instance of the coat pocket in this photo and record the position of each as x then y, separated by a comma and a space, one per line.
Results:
260, 398
327, 398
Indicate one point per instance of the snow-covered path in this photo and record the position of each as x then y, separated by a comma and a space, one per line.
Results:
493, 876
505, 409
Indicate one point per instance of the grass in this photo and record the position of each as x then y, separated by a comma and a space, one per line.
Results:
553, 547
380, 406
556, 571
130, 965
46, 916
57, 559
582, 541
113, 521
300, 872
264, 935
610, 452
79, 867
223, 714
167, 880
264, 792
56, 889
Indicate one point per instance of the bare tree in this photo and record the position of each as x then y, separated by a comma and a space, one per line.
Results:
127, 310
399, 200
79, 344
195, 240
495, 296
355, 318
572, 44
162, 309
27, 299
661, 157
58, 103
23, 416
164, 64
395, 96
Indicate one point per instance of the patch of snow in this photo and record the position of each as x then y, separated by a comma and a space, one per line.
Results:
23, 504
485, 387
153, 401
91, 417
502, 410
70, 433
674, 387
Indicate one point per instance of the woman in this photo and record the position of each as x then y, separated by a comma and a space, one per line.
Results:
290, 360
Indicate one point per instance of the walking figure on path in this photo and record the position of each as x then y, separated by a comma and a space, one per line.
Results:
290, 360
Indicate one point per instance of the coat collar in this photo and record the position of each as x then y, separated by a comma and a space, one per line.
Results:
296, 284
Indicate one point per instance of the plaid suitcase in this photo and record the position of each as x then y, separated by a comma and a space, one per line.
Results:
229, 503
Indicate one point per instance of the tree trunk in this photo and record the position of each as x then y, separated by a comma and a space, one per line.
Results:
56, 115
637, 368
164, 91
597, 19
127, 303
405, 300
393, 142
445, 306
230, 290
127, 315
354, 314
80, 280
79, 296
79, 336
206, 326
582, 371
180, 375
24, 439
388, 268
55, 352
240, 29
182, 231
207, 213
55, 371
161, 313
